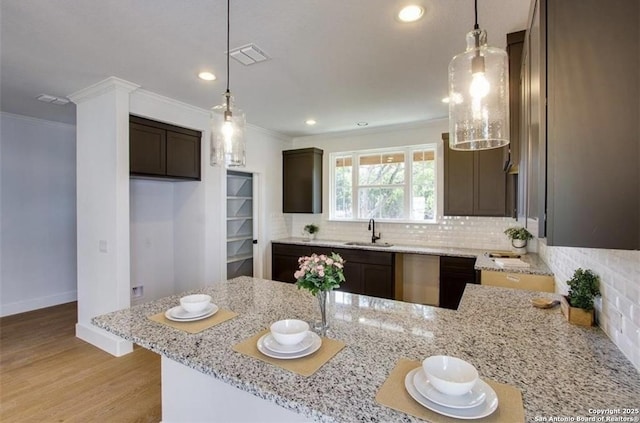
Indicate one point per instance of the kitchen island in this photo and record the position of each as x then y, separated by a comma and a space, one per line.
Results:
561, 370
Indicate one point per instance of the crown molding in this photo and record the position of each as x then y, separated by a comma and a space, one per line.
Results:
38, 120
110, 84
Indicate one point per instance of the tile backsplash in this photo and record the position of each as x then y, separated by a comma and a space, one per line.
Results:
450, 231
618, 308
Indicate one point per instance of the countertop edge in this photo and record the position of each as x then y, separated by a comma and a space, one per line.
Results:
291, 405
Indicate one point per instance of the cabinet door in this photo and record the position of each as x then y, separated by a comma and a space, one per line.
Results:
593, 185
183, 155
302, 181
147, 150
353, 278
489, 194
283, 268
377, 280
451, 291
474, 182
458, 181
536, 178
455, 274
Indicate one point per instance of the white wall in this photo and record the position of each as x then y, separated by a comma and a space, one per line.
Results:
38, 214
152, 230
102, 212
264, 159
467, 232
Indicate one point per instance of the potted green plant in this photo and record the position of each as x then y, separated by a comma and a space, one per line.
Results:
519, 237
311, 230
577, 306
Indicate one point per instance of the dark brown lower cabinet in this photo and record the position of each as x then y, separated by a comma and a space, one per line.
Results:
366, 272
455, 274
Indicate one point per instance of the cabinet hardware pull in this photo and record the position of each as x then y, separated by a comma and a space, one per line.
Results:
513, 278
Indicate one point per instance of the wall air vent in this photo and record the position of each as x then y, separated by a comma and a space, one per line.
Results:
248, 55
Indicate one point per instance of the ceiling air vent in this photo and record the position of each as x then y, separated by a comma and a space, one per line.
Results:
248, 55
52, 99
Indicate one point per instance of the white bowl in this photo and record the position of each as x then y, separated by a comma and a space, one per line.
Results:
195, 303
450, 375
289, 331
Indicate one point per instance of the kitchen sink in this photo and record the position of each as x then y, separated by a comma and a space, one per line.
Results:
369, 244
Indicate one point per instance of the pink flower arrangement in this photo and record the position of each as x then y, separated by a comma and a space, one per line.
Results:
320, 272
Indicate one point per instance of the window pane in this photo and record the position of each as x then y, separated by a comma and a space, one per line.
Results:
381, 169
423, 201
380, 203
343, 177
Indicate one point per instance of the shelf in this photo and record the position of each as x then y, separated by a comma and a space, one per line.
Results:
236, 197
240, 218
241, 257
240, 238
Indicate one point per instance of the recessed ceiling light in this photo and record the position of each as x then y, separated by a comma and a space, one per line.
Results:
207, 76
411, 13
362, 123
310, 122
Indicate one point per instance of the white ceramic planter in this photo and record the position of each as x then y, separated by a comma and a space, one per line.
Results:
519, 246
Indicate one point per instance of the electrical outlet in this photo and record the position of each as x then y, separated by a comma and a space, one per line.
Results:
137, 291
621, 321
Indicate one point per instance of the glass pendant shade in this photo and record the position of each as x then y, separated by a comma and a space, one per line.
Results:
227, 134
479, 96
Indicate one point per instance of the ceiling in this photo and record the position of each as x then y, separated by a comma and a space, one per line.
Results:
337, 61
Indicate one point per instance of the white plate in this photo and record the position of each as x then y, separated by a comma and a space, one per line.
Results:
271, 344
473, 398
478, 412
178, 314
315, 345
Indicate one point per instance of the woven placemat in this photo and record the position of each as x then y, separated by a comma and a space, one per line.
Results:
199, 325
394, 395
304, 366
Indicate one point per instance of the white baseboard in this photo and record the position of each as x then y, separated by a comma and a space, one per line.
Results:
37, 303
102, 339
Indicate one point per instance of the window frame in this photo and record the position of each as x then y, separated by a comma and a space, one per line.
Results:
408, 151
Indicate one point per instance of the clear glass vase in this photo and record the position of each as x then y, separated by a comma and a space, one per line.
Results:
321, 326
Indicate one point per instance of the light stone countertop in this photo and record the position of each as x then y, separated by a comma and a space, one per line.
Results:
561, 369
536, 265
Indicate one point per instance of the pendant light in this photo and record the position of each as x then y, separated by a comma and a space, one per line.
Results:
227, 125
478, 95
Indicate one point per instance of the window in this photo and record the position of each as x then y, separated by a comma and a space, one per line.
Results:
390, 184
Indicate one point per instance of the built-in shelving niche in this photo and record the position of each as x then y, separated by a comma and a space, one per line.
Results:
239, 224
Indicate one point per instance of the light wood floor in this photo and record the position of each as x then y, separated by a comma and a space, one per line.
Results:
49, 375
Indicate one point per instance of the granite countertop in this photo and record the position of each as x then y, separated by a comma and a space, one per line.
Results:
561, 369
483, 262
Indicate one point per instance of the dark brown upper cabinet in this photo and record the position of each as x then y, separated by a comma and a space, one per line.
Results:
515, 43
581, 110
161, 151
474, 182
302, 181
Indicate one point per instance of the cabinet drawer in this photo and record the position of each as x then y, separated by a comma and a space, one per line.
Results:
298, 250
518, 280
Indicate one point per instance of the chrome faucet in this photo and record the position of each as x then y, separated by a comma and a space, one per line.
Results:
372, 228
